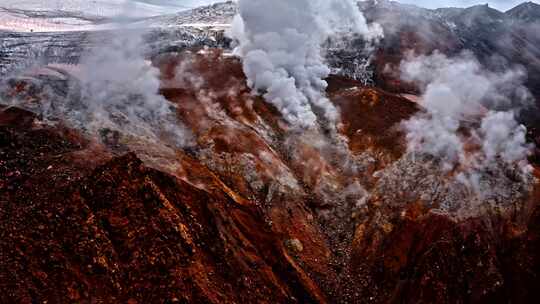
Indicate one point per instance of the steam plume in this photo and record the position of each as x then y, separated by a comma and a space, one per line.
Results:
458, 92
280, 44
120, 89
114, 90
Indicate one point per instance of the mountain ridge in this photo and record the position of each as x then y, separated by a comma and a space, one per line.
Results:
526, 12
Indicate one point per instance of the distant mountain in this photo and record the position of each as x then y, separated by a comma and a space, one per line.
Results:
528, 12
449, 12
479, 16
219, 13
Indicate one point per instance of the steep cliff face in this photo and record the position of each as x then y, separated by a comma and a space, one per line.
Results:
252, 210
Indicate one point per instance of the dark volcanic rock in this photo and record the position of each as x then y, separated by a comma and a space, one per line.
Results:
426, 257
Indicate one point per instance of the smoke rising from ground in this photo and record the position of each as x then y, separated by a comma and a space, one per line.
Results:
457, 93
113, 90
280, 44
120, 90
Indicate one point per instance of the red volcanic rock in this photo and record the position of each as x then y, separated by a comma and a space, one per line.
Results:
366, 112
123, 232
427, 257
254, 212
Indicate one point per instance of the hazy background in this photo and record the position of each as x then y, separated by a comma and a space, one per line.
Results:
154, 7
178, 3
499, 4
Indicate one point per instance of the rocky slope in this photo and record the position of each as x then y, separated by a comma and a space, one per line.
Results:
251, 211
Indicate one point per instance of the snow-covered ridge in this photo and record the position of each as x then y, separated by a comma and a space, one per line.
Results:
219, 14
92, 8
22, 21
78, 15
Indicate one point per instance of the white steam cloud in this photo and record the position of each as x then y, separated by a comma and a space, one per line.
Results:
112, 93
469, 122
503, 137
120, 91
280, 44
